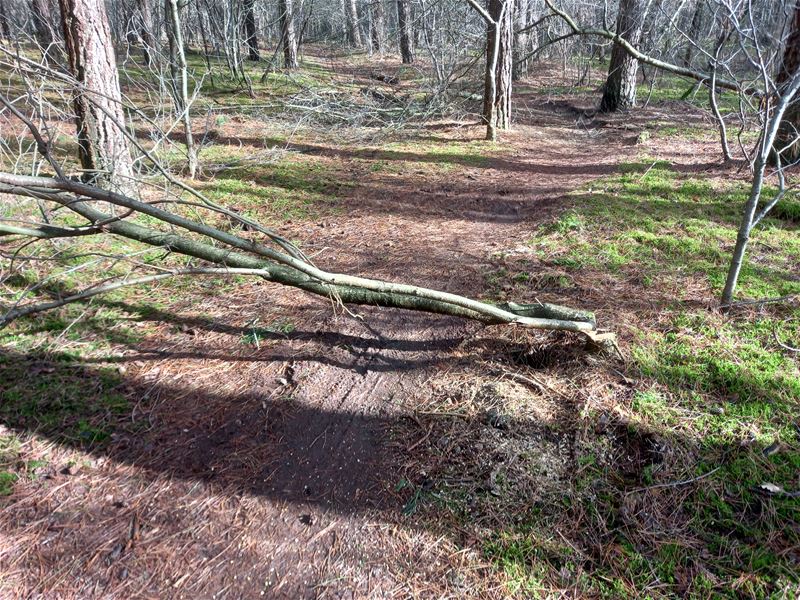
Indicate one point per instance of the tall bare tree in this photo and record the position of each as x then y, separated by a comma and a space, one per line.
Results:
787, 140
619, 91
499, 63
42, 23
286, 19
251, 32
99, 116
351, 18
180, 78
147, 30
377, 26
694, 30
5, 29
404, 30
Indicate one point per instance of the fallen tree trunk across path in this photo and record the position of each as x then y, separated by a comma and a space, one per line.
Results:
111, 213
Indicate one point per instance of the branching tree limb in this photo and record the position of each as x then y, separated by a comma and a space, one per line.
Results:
234, 252
640, 56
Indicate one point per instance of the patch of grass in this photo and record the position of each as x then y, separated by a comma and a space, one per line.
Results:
651, 222
259, 335
51, 395
670, 87
7, 481
276, 192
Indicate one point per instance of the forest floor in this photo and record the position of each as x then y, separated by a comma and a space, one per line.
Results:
228, 439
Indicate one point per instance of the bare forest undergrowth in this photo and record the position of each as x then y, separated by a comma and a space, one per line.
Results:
246, 441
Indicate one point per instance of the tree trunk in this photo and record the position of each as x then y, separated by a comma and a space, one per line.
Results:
377, 26
147, 31
619, 92
520, 41
499, 66
286, 19
5, 29
787, 142
42, 20
353, 30
100, 120
250, 31
694, 31
180, 79
404, 30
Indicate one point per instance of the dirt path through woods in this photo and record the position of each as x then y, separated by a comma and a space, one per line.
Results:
268, 469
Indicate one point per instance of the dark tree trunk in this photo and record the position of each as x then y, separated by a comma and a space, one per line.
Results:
787, 142
694, 32
404, 27
5, 29
42, 20
353, 30
103, 148
286, 19
250, 31
377, 26
619, 92
147, 31
499, 65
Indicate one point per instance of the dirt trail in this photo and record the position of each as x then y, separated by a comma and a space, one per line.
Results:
440, 234
262, 472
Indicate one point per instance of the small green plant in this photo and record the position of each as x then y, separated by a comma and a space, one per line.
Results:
7, 481
258, 335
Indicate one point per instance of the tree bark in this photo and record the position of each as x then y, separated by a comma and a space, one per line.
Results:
694, 31
787, 142
180, 79
499, 67
520, 41
251, 33
147, 31
5, 29
102, 146
619, 92
42, 20
377, 26
404, 30
353, 30
286, 19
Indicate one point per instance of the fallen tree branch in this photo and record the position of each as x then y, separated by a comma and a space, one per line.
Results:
234, 252
640, 56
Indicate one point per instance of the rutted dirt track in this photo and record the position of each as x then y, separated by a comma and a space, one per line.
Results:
266, 470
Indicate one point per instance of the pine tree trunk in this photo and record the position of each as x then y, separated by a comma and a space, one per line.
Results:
147, 31
353, 30
499, 66
619, 92
378, 26
787, 141
102, 146
250, 31
404, 27
42, 19
286, 19
5, 29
